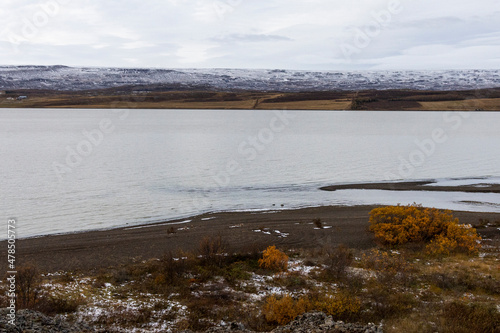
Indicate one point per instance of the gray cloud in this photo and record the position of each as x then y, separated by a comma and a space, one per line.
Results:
251, 38
251, 34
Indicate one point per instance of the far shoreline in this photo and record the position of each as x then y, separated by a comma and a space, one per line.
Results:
145, 97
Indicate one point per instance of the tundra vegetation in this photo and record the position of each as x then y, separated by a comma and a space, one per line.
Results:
428, 273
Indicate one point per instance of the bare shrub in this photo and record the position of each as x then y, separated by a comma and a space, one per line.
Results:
27, 285
121, 275
51, 305
391, 268
337, 261
172, 268
212, 251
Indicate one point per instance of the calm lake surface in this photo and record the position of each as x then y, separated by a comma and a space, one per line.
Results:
71, 170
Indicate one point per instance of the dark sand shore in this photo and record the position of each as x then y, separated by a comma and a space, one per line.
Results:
416, 186
87, 251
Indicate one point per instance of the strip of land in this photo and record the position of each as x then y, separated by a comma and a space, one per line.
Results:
416, 186
159, 97
242, 231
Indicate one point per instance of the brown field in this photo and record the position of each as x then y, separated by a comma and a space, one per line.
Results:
340, 104
156, 98
487, 104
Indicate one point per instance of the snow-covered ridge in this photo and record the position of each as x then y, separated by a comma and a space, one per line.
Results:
72, 78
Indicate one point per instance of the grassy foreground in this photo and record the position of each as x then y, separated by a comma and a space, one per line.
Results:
153, 97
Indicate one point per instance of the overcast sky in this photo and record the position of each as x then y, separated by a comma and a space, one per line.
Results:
288, 34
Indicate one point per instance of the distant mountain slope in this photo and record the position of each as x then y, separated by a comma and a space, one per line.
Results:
72, 78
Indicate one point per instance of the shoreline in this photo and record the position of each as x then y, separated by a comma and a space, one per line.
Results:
480, 185
222, 108
242, 231
424, 185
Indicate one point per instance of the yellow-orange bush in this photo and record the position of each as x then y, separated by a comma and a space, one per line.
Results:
274, 259
284, 310
458, 238
340, 306
399, 225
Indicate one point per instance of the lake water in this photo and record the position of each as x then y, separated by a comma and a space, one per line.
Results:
70, 170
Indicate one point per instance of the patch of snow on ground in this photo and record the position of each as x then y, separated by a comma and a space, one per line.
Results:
104, 304
298, 266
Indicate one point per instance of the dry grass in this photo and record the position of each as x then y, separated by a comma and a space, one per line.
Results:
487, 104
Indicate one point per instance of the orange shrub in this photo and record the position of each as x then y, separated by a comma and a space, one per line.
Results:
284, 310
399, 225
274, 259
340, 306
458, 238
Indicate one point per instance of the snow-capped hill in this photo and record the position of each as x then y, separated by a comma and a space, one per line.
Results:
72, 78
